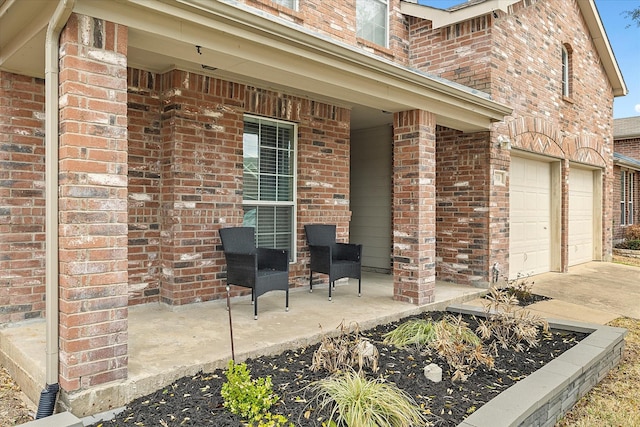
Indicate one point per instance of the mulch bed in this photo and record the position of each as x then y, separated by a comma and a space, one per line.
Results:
196, 401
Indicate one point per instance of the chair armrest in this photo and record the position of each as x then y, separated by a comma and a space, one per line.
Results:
320, 252
273, 259
320, 258
348, 251
235, 259
241, 268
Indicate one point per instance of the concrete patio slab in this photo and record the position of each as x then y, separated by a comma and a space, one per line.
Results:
167, 343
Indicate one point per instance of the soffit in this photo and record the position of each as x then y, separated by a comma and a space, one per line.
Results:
242, 45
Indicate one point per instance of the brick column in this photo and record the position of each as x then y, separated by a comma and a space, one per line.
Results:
93, 203
414, 230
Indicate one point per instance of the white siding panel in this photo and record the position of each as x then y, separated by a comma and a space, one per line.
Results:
370, 203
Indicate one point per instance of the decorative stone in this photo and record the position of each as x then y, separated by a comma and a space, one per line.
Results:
433, 373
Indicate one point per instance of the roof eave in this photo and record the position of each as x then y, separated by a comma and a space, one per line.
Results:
601, 42
441, 18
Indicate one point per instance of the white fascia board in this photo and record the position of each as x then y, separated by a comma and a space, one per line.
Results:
253, 43
601, 42
441, 18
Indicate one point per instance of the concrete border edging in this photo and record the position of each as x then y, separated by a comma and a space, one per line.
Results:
546, 395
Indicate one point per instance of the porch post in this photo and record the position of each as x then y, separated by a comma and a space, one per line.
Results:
93, 203
414, 227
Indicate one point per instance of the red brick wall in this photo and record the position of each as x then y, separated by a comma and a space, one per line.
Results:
145, 148
93, 203
515, 64
459, 52
22, 199
577, 128
337, 19
628, 147
462, 206
185, 178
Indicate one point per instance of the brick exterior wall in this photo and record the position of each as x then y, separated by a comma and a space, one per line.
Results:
337, 19
630, 148
151, 166
22, 199
462, 206
459, 52
145, 148
185, 178
511, 61
577, 128
93, 203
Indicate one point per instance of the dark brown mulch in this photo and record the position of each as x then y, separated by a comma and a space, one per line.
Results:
526, 300
196, 401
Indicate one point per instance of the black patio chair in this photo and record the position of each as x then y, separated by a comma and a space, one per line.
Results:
261, 269
338, 260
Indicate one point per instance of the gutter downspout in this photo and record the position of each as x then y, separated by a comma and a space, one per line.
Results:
52, 46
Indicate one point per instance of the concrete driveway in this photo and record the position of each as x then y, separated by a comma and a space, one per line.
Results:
595, 292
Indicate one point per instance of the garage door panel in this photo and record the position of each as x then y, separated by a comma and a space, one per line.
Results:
581, 206
530, 213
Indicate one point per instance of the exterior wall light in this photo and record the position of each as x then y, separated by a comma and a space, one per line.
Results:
504, 142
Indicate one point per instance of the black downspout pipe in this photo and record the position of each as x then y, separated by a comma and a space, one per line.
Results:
47, 402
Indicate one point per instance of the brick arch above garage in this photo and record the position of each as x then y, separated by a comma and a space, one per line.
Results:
536, 135
541, 136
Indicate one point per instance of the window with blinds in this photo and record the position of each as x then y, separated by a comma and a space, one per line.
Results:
269, 181
627, 191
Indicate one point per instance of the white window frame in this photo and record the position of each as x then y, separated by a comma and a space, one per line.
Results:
566, 88
623, 197
359, 25
279, 203
291, 4
631, 190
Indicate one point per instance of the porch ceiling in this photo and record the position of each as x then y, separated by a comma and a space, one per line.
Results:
247, 46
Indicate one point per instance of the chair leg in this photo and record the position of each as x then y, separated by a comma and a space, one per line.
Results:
331, 285
359, 286
310, 281
255, 309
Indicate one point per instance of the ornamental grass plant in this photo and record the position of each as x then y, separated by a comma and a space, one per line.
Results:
356, 401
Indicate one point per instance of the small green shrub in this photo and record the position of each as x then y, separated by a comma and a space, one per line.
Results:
248, 398
359, 402
634, 245
273, 420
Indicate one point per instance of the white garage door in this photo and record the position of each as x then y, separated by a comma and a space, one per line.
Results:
580, 216
530, 215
